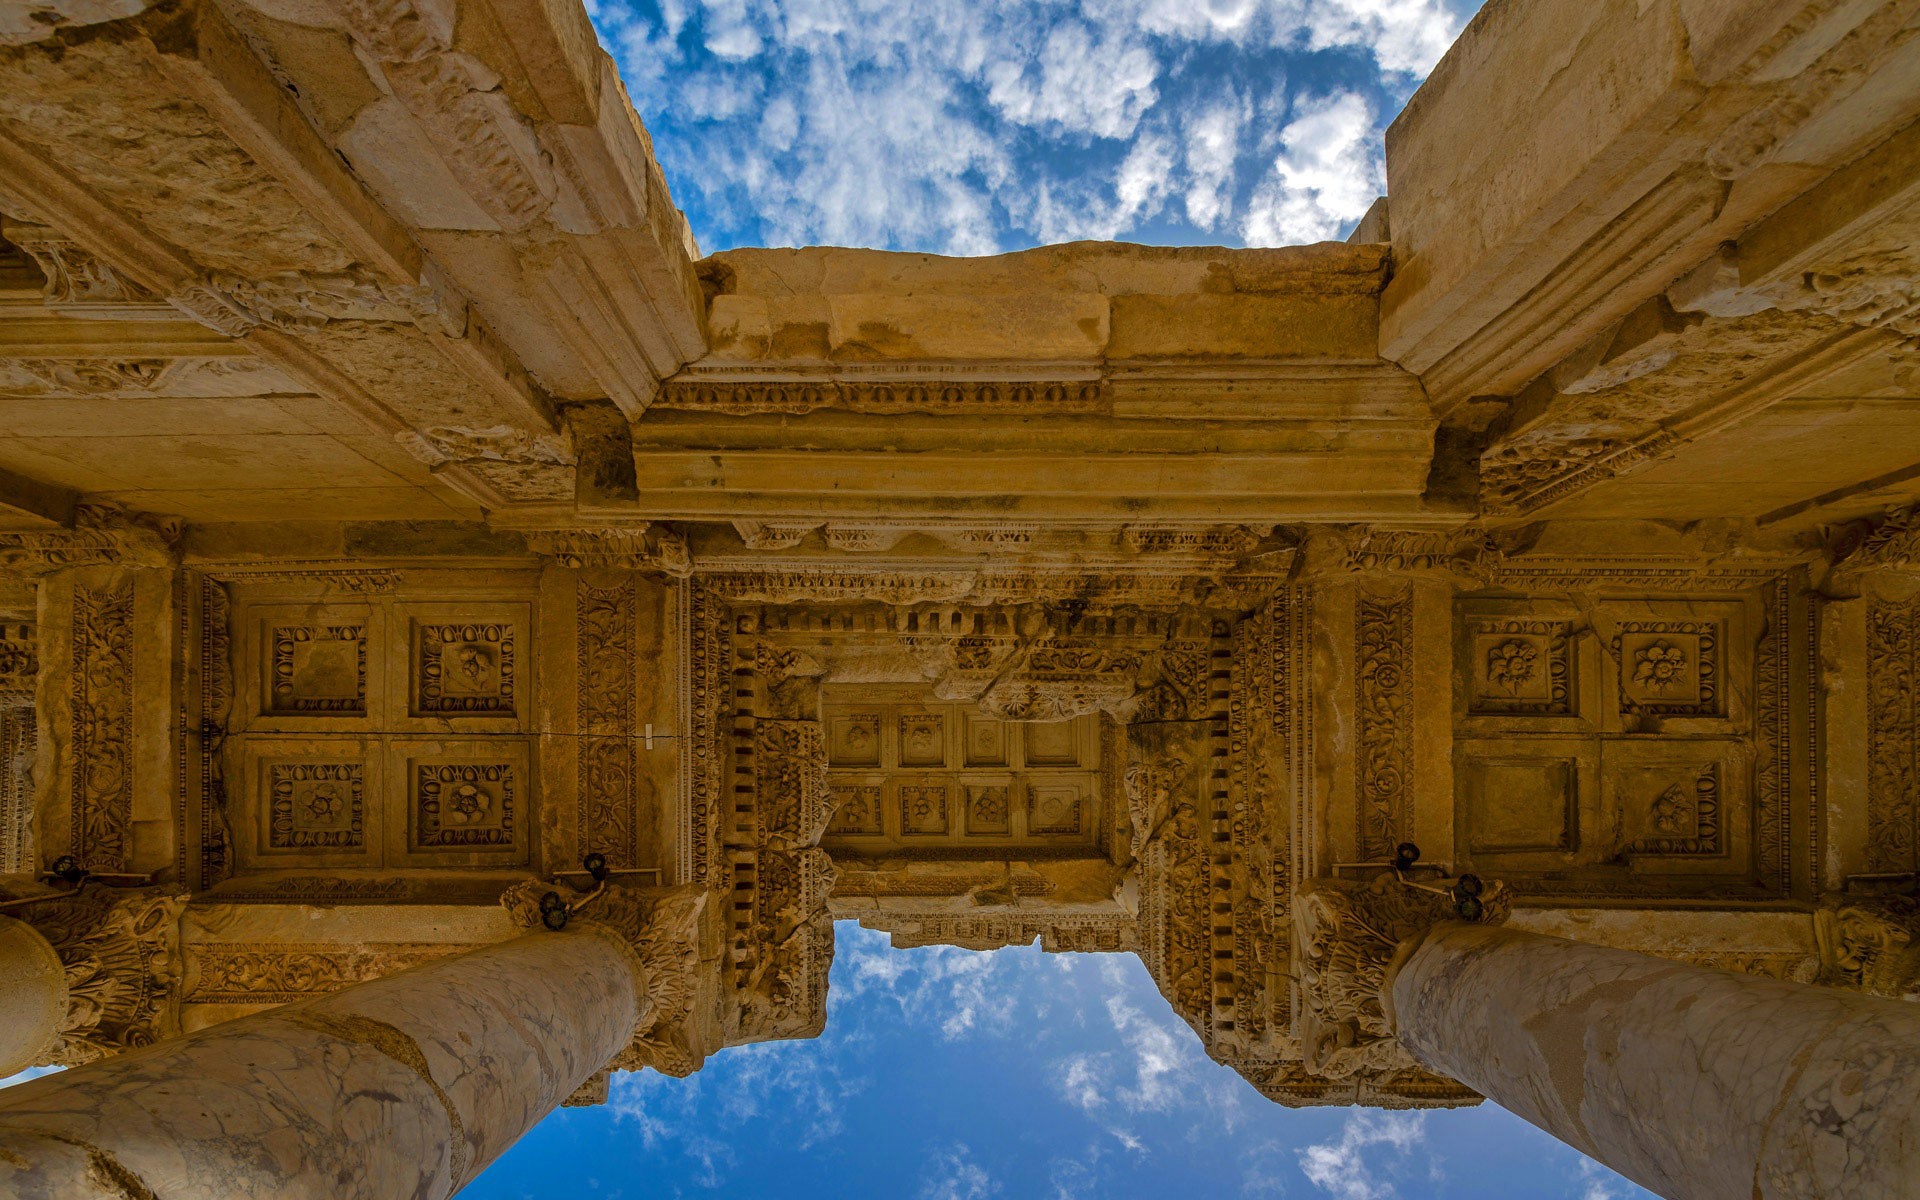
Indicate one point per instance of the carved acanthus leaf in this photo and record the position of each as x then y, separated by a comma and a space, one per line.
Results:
120, 948
662, 928
1345, 937
1871, 943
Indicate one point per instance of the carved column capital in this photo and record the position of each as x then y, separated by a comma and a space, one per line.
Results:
121, 951
1871, 943
1348, 936
661, 929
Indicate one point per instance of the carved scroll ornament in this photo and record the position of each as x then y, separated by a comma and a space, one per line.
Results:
1347, 936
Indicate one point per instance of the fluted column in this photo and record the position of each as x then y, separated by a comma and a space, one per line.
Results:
33, 995
403, 1087
1698, 1084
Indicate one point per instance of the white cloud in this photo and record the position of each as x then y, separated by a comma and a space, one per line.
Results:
1079, 82
1349, 1168
951, 1174
970, 128
1327, 173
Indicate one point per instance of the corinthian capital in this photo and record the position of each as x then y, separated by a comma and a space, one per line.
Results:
1348, 936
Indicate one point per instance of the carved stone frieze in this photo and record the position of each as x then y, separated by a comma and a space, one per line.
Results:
1384, 715
19, 659
282, 973
1466, 551
216, 712
1893, 736
101, 791
18, 739
120, 948
1289, 1083
774, 535
629, 548
1346, 935
102, 534
74, 275
84, 376
1193, 539
749, 398
606, 641
303, 302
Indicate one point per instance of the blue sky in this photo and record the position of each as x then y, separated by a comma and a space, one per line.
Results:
980, 126
946, 1074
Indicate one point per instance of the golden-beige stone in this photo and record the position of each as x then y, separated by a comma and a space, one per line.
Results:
409, 539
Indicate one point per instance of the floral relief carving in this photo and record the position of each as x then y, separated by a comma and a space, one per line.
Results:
1345, 933
605, 644
1512, 665
1657, 667
281, 973
464, 805
1383, 698
120, 948
102, 708
1669, 668
465, 669
1893, 738
316, 806
1683, 818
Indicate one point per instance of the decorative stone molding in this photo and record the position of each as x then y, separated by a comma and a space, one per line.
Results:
662, 926
120, 948
303, 302
606, 642
1384, 708
1193, 539
19, 660
495, 444
1466, 551
1347, 937
795, 397
284, 972
1871, 943
101, 790
75, 276
629, 548
1893, 736
774, 535
102, 534
864, 539
84, 376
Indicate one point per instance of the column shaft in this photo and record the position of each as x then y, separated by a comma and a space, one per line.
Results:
403, 1087
1698, 1084
33, 995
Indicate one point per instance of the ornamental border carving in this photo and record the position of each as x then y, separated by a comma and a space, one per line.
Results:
102, 723
1893, 738
1383, 708
607, 767
284, 972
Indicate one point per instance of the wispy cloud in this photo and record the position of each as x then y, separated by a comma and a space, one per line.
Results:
972, 128
1372, 1148
951, 1174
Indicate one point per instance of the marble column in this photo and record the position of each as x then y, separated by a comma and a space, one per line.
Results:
1698, 1084
403, 1087
33, 995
